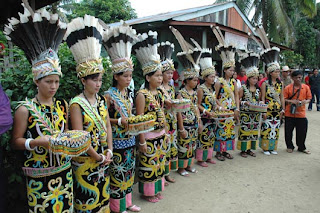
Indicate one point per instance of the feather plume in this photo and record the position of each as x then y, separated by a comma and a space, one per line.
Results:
165, 50
35, 34
145, 48
84, 38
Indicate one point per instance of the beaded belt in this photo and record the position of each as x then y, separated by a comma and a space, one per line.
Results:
43, 172
124, 143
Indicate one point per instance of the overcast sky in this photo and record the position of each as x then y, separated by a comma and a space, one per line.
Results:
153, 7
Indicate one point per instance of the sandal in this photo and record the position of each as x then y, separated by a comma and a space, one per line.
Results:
211, 161
220, 157
152, 199
243, 154
202, 163
251, 153
227, 155
306, 152
159, 196
289, 150
184, 173
193, 170
134, 208
170, 179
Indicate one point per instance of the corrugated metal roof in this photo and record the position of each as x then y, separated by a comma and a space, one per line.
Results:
173, 14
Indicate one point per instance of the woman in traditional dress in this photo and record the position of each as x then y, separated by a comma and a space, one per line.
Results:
150, 100
189, 121
272, 90
227, 94
48, 176
207, 104
249, 93
122, 168
88, 112
165, 50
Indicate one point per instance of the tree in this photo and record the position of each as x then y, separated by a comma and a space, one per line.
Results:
273, 16
306, 42
108, 11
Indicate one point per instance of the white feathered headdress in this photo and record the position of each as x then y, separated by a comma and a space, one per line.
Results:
250, 62
270, 56
39, 35
190, 56
146, 50
165, 50
206, 63
118, 43
84, 38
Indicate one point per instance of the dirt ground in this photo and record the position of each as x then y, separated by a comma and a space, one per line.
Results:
277, 183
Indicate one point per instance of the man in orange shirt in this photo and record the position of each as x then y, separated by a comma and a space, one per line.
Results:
296, 95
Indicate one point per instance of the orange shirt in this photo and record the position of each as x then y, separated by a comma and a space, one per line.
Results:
305, 94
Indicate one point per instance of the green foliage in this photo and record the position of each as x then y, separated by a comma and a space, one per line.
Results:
291, 59
108, 11
306, 42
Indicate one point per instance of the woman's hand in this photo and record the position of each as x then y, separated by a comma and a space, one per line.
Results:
108, 159
168, 104
143, 148
183, 133
236, 114
264, 116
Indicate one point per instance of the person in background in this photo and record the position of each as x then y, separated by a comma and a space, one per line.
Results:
285, 76
5, 124
176, 77
165, 50
296, 96
261, 76
120, 103
242, 77
2, 50
263, 79
307, 78
235, 77
314, 82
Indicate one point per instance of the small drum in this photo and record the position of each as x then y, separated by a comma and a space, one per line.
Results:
72, 143
258, 107
180, 105
141, 124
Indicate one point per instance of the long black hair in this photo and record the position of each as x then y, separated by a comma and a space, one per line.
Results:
184, 83
146, 83
248, 83
270, 79
114, 81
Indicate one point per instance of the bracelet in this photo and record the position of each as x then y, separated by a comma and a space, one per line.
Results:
237, 110
109, 150
119, 121
27, 144
220, 108
204, 111
181, 130
142, 144
103, 159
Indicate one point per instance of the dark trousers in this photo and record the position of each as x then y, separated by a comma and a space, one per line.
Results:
301, 125
315, 93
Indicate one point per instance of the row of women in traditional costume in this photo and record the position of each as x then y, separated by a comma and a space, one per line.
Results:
92, 167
